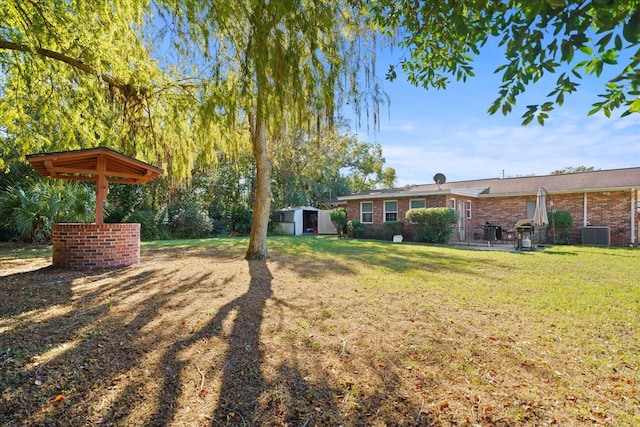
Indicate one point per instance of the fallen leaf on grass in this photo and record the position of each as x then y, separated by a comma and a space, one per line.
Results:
58, 398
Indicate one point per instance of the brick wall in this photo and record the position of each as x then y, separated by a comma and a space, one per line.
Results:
611, 209
92, 246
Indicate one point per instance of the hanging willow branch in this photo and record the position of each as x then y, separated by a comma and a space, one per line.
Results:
126, 89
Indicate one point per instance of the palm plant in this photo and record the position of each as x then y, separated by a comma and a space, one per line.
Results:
33, 211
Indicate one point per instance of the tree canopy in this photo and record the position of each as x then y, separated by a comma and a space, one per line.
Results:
571, 169
240, 76
539, 37
282, 64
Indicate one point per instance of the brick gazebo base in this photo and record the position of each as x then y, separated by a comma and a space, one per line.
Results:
94, 246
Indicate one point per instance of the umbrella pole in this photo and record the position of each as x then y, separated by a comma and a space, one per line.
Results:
553, 215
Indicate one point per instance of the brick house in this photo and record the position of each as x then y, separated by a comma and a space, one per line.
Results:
607, 198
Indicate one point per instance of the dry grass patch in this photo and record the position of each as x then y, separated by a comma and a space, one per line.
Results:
327, 332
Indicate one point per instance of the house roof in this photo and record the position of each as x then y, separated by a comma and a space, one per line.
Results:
85, 165
604, 180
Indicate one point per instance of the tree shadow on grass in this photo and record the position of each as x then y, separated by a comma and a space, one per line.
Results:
85, 349
37, 289
242, 380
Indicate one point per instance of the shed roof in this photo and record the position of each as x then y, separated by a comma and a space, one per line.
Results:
605, 180
86, 164
298, 208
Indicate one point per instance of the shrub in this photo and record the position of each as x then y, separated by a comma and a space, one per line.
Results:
219, 227
432, 225
191, 223
384, 231
373, 231
238, 219
338, 218
356, 229
152, 224
122, 201
562, 221
393, 227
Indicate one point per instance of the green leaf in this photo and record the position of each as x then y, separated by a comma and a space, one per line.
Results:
604, 41
528, 118
547, 106
618, 42
541, 118
391, 74
597, 107
567, 51
610, 57
494, 107
631, 29
586, 50
550, 65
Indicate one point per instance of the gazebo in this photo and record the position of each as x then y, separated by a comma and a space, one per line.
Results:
97, 245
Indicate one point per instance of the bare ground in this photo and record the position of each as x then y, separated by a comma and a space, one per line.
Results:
203, 337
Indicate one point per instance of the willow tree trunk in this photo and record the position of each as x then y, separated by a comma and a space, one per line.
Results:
262, 203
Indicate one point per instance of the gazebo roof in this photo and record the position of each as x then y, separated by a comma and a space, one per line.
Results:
87, 164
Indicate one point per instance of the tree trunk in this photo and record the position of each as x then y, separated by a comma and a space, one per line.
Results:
262, 203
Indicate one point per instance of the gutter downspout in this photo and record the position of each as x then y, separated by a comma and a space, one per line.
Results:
584, 212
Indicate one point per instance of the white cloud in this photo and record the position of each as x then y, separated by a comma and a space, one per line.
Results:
451, 133
466, 152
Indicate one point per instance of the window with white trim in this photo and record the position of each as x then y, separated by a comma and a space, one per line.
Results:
531, 208
417, 203
468, 209
390, 211
366, 212
452, 204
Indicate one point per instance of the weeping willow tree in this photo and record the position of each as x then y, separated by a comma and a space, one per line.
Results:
80, 74
243, 75
281, 66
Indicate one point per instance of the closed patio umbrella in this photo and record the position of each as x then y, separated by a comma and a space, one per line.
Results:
540, 218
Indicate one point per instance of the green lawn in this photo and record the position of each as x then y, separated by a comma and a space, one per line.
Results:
439, 333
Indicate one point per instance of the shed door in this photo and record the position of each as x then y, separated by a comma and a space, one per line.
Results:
325, 226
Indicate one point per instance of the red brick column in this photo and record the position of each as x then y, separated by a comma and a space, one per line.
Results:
91, 246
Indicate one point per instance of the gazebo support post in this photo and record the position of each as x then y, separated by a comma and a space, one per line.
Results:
102, 188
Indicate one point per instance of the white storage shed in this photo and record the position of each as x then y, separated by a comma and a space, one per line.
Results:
301, 220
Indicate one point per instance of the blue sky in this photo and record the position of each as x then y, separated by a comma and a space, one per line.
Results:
449, 131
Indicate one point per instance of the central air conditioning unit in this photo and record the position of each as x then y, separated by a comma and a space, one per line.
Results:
595, 235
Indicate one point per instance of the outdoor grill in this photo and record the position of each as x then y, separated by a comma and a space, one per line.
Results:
492, 232
524, 234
